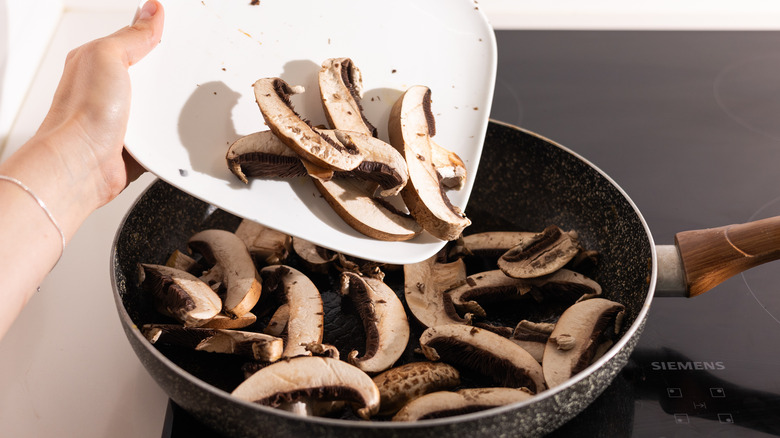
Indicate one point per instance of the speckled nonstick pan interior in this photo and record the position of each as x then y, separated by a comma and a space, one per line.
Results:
524, 182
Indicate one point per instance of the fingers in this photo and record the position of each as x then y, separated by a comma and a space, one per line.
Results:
144, 34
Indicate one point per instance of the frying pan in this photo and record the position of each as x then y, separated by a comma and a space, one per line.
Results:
524, 182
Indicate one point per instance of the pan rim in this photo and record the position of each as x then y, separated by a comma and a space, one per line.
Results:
633, 331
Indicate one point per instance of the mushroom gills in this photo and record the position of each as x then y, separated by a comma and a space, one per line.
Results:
256, 346
307, 379
384, 320
484, 352
179, 294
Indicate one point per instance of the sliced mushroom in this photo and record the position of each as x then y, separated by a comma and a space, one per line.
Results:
532, 336
382, 163
316, 258
447, 404
341, 90
425, 284
306, 315
323, 350
411, 126
273, 98
307, 378
372, 217
223, 321
257, 346
488, 287
265, 244
263, 155
489, 243
397, 386
541, 254
567, 285
384, 321
179, 294
233, 264
485, 352
576, 337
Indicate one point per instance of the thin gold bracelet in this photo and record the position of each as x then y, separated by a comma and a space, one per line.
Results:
41, 204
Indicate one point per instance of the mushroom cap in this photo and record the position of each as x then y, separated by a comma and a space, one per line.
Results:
446, 404
306, 316
411, 126
485, 352
397, 386
577, 335
308, 377
384, 321
487, 286
234, 264
272, 96
179, 294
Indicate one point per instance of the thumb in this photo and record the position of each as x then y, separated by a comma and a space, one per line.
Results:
144, 33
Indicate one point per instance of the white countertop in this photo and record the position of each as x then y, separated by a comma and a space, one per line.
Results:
66, 368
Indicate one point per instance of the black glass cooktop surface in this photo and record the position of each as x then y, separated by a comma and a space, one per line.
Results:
688, 124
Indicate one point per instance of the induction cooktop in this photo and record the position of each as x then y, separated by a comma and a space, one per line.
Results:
688, 124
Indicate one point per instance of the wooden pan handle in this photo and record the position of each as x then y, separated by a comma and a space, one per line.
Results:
711, 256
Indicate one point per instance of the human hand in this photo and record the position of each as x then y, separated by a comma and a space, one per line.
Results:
88, 118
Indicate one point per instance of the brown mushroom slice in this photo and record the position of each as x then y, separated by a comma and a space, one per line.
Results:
397, 386
484, 352
231, 260
576, 337
443, 404
263, 155
425, 284
384, 321
179, 294
488, 286
532, 336
223, 321
256, 346
306, 316
489, 243
382, 163
567, 285
372, 217
273, 98
341, 91
411, 126
265, 244
541, 254
316, 258
308, 378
